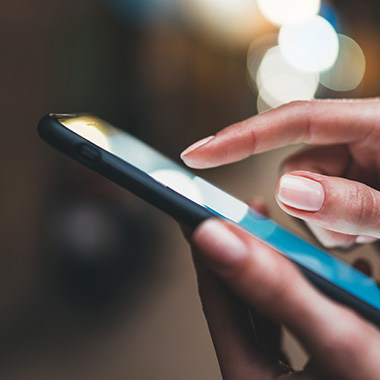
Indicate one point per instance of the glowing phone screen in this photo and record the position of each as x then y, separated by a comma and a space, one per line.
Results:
172, 175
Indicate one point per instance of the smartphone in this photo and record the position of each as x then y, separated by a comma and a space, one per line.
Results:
189, 199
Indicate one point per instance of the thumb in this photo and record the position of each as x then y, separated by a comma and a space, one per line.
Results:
334, 203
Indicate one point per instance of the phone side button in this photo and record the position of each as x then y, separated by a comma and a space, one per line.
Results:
89, 152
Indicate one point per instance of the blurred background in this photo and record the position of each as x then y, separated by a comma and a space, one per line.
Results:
94, 283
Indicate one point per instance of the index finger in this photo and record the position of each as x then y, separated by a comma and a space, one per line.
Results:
319, 122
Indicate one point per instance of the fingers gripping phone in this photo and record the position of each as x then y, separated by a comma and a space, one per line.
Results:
190, 199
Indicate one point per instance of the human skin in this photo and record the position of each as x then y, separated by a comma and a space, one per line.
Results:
332, 184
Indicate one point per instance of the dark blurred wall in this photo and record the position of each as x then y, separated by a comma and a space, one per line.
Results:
58, 295
23, 49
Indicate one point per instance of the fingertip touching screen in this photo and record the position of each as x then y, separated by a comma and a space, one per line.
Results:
181, 180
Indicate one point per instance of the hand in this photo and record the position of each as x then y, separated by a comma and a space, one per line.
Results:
332, 184
340, 344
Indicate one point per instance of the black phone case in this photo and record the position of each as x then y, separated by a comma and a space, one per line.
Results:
180, 208
122, 173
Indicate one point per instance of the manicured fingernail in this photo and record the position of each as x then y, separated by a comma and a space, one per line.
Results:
221, 247
301, 193
362, 239
196, 145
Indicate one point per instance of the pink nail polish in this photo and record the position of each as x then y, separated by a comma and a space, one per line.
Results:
196, 145
301, 193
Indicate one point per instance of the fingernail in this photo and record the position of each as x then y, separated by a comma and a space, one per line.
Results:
221, 247
196, 145
301, 193
362, 239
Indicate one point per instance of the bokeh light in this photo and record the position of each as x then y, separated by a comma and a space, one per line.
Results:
227, 8
349, 68
256, 52
305, 57
282, 12
237, 21
279, 82
310, 46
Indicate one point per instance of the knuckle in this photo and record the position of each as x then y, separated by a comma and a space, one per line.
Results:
308, 110
365, 205
252, 141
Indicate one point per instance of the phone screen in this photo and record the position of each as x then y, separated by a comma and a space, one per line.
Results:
175, 177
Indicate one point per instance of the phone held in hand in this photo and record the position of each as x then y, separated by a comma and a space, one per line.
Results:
189, 199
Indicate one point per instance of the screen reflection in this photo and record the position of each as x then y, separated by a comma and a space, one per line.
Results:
174, 176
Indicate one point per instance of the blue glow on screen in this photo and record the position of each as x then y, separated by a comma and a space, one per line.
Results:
175, 177
313, 258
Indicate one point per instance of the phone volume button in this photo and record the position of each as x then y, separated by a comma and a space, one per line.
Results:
89, 152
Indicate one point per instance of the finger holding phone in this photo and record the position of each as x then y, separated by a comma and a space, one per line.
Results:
255, 272
333, 185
